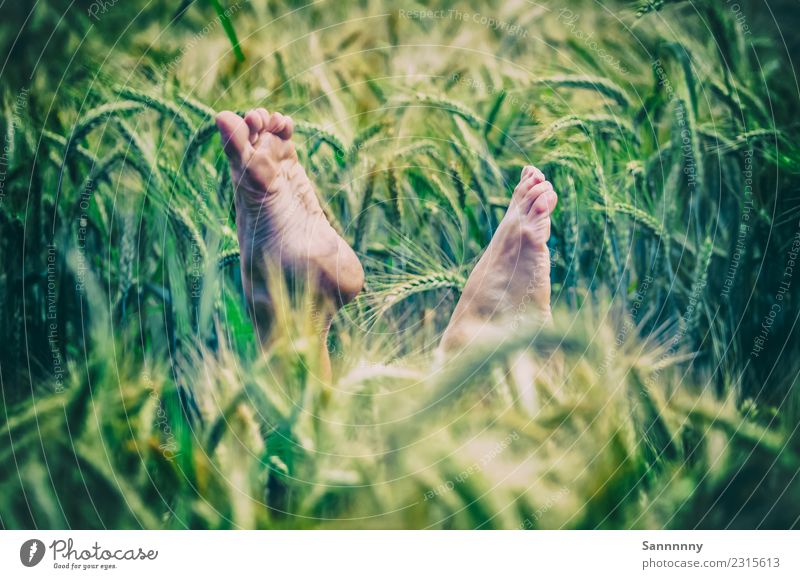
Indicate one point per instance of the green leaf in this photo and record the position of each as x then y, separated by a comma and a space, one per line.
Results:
228, 27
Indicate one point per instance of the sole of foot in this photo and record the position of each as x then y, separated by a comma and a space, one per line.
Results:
279, 220
512, 278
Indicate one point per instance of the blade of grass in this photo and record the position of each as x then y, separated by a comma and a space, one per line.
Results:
228, 27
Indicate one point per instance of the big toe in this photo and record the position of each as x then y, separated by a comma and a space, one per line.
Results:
235, 134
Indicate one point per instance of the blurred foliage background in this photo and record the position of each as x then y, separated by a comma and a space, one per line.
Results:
665, 395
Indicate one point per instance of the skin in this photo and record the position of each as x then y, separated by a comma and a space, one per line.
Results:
513, 275
280, 223
281, 226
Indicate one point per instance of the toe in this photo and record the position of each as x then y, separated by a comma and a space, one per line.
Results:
235, 134
289, 129
280, 125
531, 171
264, 118
531, 178
532, 193
275, 121
522, 188
255, 122
544, 204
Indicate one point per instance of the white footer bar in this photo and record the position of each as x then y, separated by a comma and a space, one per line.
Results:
401, 554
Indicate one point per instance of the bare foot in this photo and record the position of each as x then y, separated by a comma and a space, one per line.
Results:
512, 278
279, 219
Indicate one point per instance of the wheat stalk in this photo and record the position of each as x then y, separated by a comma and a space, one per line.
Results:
415, 284
317, 132
84, 153
101, 114
587, 123
200, 137
165, 108
647, 6
198, 108
601, 85
366, 201
449, 105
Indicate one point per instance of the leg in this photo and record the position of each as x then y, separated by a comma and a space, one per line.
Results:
280, 223
514, 271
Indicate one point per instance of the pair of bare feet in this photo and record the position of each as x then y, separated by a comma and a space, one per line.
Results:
280, 223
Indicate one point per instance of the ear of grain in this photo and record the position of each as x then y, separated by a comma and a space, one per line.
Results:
600, 85
364, 209
97, 116
170, 111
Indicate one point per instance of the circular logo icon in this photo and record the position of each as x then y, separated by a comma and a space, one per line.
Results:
31, 553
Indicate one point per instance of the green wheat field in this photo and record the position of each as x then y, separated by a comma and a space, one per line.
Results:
665, 394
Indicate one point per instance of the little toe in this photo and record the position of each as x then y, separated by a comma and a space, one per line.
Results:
288, 130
